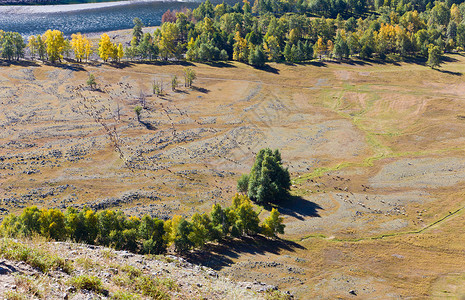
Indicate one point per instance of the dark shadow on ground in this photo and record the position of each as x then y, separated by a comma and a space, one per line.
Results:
420, 60
220, 64
180, 91
449, 72
299, 208
148, 125
448, 59
21, 63
164, 63
6, 268
456, 53
122, 65
218, 256
352, 62
73, 67
269, 69
314, 63
200, 89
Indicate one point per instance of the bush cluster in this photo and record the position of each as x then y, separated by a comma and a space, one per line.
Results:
146, 235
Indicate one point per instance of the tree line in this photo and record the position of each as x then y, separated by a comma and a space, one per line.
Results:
144, 235
271, 30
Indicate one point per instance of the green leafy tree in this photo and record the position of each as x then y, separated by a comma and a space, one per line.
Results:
243, 184
201, 230
7, 46
174, 83
108, 221
152, 232
257, 57
91, 82
91, 225
146, 48
30, 219
274, 224
434, 56
168, 40
341, 49
288, 53
137, 30
272, 48
189, 77
128, 240
182, 243
138, 110
247, 218
75, 225
19, 45
52, 224
268, 180
41, 47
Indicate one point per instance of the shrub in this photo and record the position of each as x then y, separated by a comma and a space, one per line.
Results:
91, 82
120, 295
150, 287
273, 224
37, 259
86, 282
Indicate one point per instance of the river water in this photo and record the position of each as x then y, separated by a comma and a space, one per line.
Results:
86, 18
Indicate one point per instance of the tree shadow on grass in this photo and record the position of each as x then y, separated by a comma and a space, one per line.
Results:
351, 62
418, 60
450, 72
122, 65
75, 67
456, 53
445, 58
179, 91
218, 256
299, 208
148, 125
220, 64
200, 89
164, 63
268, 68
319, 63
21, 63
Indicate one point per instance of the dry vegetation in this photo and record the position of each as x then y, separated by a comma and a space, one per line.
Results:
375, 152
92, 272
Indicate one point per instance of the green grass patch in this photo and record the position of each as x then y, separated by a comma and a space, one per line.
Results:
369, 162
148, 286
42, 260
86, 282
122, 295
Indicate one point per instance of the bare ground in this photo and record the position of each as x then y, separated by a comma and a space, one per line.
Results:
375, 152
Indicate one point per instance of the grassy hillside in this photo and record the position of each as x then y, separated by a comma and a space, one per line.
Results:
375, 153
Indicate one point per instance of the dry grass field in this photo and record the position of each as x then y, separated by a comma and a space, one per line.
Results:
376, 154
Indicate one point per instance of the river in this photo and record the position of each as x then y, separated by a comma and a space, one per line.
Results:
86, 18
